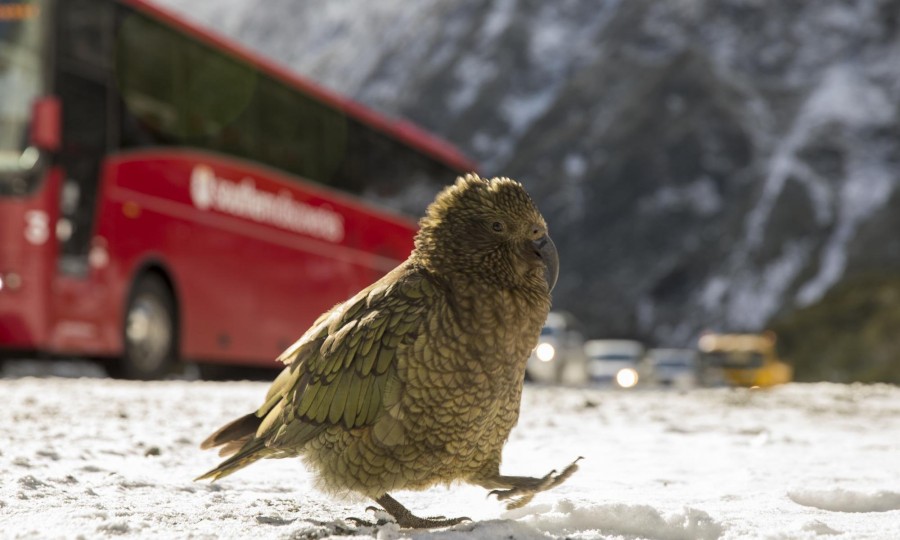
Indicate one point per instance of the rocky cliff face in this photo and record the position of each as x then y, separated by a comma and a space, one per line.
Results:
702, 163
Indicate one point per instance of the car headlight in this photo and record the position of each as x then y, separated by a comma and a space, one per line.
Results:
545, 352
627, 377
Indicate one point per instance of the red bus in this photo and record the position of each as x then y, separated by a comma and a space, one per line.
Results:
167, 196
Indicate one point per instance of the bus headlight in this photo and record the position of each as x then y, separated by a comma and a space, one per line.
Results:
10, 281
627, 377
545, 352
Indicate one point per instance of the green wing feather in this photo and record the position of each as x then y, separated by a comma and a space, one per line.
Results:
339, 374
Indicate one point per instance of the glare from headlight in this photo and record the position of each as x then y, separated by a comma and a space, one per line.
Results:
10, 281
627, 377
545, 352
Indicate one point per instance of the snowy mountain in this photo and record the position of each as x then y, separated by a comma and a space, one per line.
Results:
702, 164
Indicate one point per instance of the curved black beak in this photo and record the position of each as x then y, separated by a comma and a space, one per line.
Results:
546, 250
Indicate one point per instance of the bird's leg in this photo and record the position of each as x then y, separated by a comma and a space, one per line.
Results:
519, 490
407, 520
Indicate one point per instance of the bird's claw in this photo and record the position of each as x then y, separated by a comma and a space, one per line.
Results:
407, 520
520, 496
378, 520
413, 522
360, 522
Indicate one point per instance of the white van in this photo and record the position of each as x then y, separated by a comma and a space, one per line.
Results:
559, 355
614, 362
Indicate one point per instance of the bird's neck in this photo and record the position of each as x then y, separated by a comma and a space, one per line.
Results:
507, 321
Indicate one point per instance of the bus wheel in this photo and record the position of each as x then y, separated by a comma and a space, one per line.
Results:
150, 332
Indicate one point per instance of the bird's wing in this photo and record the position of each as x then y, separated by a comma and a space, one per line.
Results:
343, 370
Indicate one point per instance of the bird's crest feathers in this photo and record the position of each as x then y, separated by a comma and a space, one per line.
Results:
471, 193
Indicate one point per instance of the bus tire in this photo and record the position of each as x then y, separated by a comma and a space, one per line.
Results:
149, 332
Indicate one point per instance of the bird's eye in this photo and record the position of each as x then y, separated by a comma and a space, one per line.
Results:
497, 226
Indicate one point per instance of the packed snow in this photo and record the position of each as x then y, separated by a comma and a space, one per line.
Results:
90, 457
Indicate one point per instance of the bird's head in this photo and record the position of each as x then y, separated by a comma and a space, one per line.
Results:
488, 230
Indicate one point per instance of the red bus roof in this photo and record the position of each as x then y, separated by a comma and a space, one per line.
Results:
401, 130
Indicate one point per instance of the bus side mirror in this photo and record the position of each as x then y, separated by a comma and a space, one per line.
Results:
46, 124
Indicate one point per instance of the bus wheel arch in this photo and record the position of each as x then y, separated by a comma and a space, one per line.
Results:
150, 327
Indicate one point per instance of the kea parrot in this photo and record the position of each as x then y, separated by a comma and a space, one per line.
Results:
417, 379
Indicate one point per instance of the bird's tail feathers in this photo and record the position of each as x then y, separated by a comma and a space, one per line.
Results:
252, 451
237, 438
241, 430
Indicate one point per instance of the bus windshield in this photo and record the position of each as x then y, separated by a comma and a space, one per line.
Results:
21, 81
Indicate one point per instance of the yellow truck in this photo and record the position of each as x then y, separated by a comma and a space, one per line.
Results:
745, 359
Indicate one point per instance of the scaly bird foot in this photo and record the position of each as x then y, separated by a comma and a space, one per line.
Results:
519, 496
407, 520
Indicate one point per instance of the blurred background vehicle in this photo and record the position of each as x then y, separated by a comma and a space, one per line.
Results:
559, 354
744, 359
614, 362
676, 368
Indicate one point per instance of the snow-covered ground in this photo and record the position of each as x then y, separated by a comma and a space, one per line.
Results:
92, 458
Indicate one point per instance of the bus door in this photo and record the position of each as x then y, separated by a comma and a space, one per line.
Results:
82, 80
82, 83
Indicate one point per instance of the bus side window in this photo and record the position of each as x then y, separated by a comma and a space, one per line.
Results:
149, 79
299, 134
